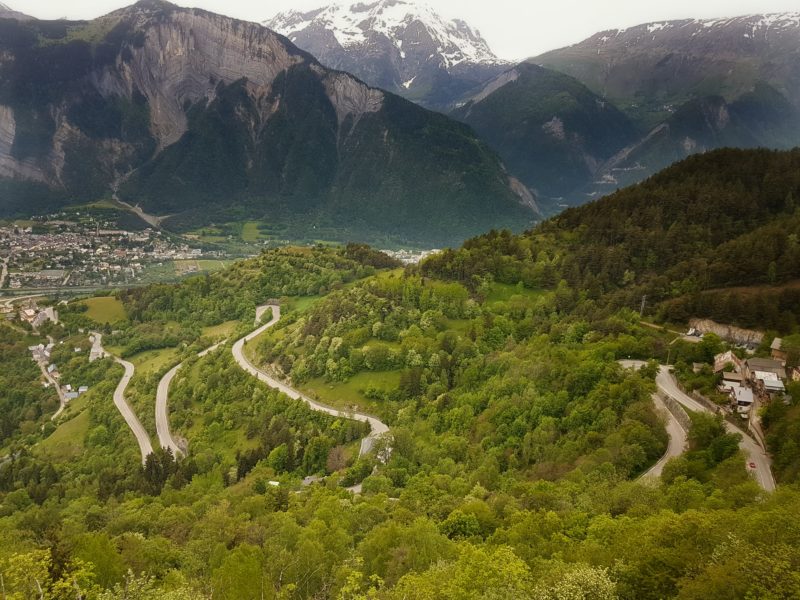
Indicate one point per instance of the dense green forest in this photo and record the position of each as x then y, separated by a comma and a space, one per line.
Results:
683, 238
518, 443
23, 400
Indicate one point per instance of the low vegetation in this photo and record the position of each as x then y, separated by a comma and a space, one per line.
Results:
517, 440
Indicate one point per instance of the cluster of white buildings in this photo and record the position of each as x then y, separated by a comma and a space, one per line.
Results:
42, 354
748, 381
410, 257
66, 253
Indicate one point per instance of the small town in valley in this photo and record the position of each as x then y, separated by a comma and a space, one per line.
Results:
54, 254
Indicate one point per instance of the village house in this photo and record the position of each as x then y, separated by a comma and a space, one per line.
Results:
27, 314
752, 366
721, 361
743, 399
52, 370
733, 378
777, 351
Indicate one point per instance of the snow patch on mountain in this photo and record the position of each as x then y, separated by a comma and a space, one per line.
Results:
755, 24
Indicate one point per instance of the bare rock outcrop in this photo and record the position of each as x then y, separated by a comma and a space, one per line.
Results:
350, 97
9, 166
730, 333
186, 56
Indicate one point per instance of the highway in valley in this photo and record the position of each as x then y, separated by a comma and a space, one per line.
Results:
378, 428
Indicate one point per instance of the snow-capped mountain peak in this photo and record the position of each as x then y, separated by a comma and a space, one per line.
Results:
400, 21
403, 46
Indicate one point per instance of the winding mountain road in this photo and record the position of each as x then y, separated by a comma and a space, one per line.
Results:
755, 454
668, 385
678, 436
165, 438
62, 397
139, 432
678, 439
378, 428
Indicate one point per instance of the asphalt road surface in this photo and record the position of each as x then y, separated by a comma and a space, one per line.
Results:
755, 455
165, 438
378, 428
139, 432
677, 439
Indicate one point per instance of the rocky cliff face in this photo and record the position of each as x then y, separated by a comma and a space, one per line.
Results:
184, 56
729, 333
403, 47
11, 167
178, 108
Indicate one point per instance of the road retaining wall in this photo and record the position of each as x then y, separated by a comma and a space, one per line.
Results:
677, 411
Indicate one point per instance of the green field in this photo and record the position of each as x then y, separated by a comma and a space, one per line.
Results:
154, 360
250, 232
214, 265
502, 292
187, 267
348, 395
103, 204
223, 330
67, 440
105, 309
302, 303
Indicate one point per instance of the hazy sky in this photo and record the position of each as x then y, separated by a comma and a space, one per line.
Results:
514, 28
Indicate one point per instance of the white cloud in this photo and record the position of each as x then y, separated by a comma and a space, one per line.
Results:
514, 28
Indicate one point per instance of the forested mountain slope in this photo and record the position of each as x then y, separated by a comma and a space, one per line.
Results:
516, 437
726, 218
684, 87
549, 128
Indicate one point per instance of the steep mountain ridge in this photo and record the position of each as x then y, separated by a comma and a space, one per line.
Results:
685, 87
760, 118
650, 69
404, 47
549, 128
181, 108
6, 12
